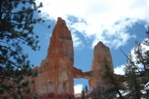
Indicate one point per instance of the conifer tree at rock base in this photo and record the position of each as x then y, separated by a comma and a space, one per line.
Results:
110, 86
17, 22
137, 79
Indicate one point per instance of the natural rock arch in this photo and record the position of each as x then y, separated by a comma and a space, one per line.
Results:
57, 71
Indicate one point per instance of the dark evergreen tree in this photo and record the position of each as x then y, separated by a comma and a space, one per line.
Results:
86, 91
109, 79
17, 22
83, 96
137, 71
109, 88
134, 84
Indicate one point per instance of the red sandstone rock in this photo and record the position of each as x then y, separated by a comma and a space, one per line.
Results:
56, 72
101, 52
77, 73
55, 78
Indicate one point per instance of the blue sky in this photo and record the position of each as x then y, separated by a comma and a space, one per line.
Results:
117, 23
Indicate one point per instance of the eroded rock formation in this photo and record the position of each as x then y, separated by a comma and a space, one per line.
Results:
101, 52
55, 79
56, 72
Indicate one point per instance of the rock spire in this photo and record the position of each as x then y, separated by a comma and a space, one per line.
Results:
55, 79
101, 52
96, 72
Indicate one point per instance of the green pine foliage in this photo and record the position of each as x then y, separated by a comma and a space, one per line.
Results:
84, 93
137, 71
17, 20
83, 96
109, 80
134, 84
109, 88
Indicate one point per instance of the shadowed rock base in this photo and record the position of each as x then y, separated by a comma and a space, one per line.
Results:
53, 96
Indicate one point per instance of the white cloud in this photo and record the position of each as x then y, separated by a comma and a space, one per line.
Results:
119, 70
104, 20
76, 40
78, 88
144, 48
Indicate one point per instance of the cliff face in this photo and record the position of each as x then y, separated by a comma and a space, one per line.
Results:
55, 79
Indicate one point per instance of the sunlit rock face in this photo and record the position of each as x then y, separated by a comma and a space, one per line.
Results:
56, 71
101, 52
55, 79
96, 73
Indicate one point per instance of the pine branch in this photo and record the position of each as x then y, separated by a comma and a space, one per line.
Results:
112, 78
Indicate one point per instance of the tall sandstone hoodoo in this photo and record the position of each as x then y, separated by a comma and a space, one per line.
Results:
55, 79
101, 52
57, 71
